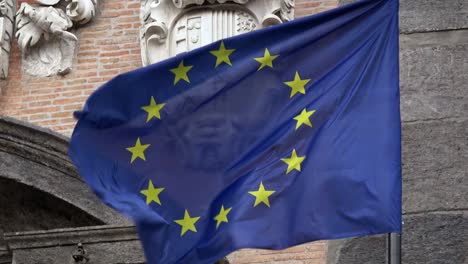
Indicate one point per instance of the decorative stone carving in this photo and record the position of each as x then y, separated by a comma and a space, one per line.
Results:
185, 3
80, 255
171, 27
81, 11
287, 10
43, 34
7, 11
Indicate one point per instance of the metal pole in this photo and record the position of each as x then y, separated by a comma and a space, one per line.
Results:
394, 248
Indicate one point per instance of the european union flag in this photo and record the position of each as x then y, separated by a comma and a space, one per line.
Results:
266, 140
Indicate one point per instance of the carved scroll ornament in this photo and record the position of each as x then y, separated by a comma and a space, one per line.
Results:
171, 27
7, 12
185, 3
43, 34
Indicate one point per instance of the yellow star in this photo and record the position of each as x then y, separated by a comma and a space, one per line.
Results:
153, 109
152, 194
138, 151
188, 223
222, 55
294, 162
222, 216
181, 73
261, 196
303, 118
266, 60
297, 85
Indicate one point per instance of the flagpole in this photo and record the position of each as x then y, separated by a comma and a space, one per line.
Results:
394, 248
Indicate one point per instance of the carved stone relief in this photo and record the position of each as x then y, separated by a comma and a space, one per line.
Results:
7, 11
43, 33
171, 27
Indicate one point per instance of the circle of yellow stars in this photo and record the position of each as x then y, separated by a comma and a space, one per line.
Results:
262, 195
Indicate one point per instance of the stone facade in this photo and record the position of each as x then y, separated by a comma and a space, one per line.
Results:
50, 210
33, 160
434, 96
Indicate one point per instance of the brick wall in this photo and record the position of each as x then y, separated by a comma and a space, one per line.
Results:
109, 45
307, 7
311, 253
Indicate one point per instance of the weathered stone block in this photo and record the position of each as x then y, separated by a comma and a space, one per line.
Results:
433, 75
434, 199
433, 15
435, 168
434, 238
430, 15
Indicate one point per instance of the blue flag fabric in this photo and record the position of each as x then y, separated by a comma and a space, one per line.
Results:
266, 140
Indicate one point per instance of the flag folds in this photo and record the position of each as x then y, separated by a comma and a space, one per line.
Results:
266, 140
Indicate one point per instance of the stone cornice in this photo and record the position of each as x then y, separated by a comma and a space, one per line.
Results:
37, 157
5, 256
35, 143
70, 236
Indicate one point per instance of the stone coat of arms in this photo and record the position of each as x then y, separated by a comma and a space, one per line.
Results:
172, 27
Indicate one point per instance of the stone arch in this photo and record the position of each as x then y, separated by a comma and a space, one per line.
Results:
35, 161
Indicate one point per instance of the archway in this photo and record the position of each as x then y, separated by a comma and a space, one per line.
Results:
39, 181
